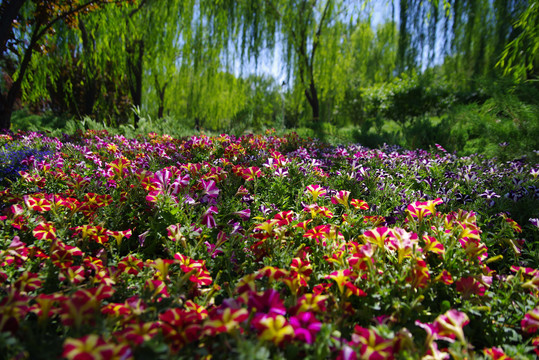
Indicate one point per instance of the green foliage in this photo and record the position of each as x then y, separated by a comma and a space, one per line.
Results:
24, 120
520, 57
503, 126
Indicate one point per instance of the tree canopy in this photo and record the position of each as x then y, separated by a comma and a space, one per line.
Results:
199, 60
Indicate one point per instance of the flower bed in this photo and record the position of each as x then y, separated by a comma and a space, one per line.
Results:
264, 247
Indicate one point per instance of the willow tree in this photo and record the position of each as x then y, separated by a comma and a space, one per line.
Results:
520, 57
145, 41
27, 29
470, 35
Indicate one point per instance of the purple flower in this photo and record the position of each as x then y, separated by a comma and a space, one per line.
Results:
189, 200
535, 222
244, 214
265, 210
207, 218
281, 172
236, 227
142, 238
489, 194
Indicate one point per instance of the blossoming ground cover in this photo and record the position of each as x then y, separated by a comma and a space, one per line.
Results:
263, 246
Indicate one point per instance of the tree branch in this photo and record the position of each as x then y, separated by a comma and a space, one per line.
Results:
73, 11
8, 15
316, 40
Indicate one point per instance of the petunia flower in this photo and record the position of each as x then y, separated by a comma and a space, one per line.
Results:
378, 236
451, 324
272, 273
47, 305
180, 327
530, 322
224, 320
495, 353
268, 302
315, 191
420, 209
130, 265
359, 204
251, 173
89, 347
371, 345
445, 277
208, 219
433, 245
14, 307
306, 326
419, 274
210, 188
243, 214
341, 198
44, 231
318, 233
344, 279
469, 285
274, 328
138, 332
37, 203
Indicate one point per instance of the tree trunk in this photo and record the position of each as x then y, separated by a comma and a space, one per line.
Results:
160, 96
90, 91
134, 64
8, 99
5, 114
312, 98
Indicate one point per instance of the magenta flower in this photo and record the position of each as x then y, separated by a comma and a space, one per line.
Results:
496, 353
207, 218
268, 302
341, 198
213, 250
306, 326
433, 332
371, 345
347, 353
469, 286
210, 189
530, 323
244, 214
451, 323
